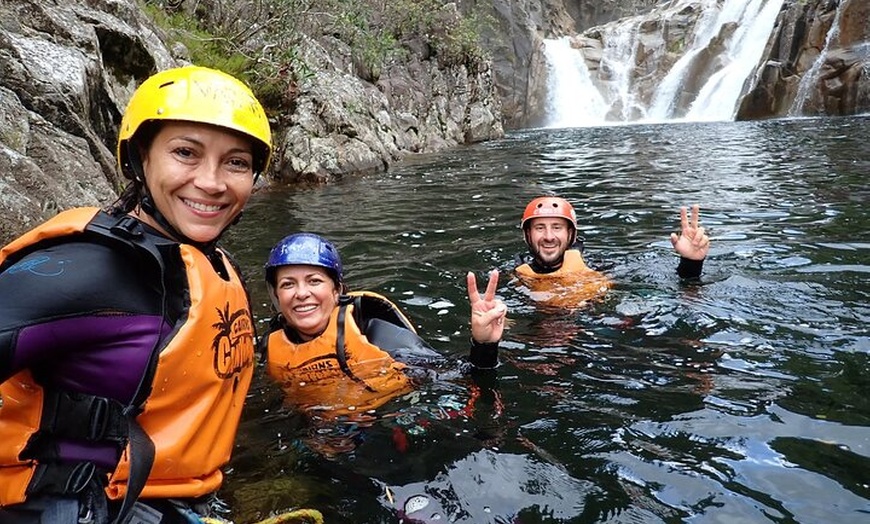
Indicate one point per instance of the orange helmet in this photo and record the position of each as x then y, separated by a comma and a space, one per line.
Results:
548, 207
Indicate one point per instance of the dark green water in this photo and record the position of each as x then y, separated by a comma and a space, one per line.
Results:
745, 398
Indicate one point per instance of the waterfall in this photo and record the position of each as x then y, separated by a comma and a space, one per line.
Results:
708, 26
722, 49
618, 58
572, 100
808, 80
718, 99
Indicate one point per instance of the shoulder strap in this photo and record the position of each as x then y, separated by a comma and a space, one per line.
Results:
341, 341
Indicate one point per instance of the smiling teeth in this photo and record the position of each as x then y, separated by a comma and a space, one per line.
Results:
202, 207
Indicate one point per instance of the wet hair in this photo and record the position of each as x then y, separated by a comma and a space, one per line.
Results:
131, 195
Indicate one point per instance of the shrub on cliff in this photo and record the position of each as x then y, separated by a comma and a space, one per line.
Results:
259, 40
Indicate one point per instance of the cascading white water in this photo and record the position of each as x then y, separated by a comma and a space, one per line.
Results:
717, 100
572, 99
738, 28
708, 26
808, 80
618, 57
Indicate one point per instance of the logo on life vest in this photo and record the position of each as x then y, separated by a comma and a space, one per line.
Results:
233, 343
324, 367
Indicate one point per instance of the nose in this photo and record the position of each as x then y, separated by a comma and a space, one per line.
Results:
549, 233
210, 177
302, 290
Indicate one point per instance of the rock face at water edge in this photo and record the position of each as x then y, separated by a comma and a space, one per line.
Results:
817, 62
68, 68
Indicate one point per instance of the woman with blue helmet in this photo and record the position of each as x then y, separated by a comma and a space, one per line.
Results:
336, 352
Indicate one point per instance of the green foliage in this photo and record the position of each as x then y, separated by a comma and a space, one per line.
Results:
380, 31
206, 48
256, 41
261, 41
462, 45
358, 24
677, 46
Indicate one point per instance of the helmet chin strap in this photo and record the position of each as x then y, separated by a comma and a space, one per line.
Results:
146, 204
539, 267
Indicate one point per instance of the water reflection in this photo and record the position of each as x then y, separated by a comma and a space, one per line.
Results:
739, 398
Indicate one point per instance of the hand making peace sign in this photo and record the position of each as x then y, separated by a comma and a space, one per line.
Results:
692, 242
487, 313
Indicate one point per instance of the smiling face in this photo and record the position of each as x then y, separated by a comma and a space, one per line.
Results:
200, 177
306, 296
548, 239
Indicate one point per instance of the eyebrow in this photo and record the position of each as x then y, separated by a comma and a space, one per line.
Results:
304, 276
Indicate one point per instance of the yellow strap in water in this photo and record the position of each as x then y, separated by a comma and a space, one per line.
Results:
302, 516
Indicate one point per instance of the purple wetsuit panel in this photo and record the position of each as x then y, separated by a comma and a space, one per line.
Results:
103, 355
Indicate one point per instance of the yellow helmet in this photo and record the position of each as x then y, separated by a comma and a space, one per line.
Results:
197, 94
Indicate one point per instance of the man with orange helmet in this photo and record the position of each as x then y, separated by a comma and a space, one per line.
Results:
557, 274
126, 335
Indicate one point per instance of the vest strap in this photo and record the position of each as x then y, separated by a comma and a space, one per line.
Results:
341, 344
55, 478
141, 446
141, 459
83, 417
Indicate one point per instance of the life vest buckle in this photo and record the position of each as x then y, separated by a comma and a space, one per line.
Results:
80, 476
82, 416
61, 479
127, 227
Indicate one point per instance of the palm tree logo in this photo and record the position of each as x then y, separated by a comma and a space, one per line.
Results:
233, 341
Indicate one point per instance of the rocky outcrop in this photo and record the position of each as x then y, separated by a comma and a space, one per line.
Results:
704, 59
662, 63
68, 67
817, 62
342, 124
649, 47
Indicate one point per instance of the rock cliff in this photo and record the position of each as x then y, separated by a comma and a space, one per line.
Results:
516, 40
817, 62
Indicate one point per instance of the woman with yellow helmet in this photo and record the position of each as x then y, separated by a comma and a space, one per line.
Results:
126, 338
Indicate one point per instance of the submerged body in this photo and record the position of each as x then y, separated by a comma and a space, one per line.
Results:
336, 352
558, 277
348, 368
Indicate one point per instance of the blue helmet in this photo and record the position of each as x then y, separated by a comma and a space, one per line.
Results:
304, 248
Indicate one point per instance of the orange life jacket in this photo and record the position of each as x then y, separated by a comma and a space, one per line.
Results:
570, 286
203, 371
332, 379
